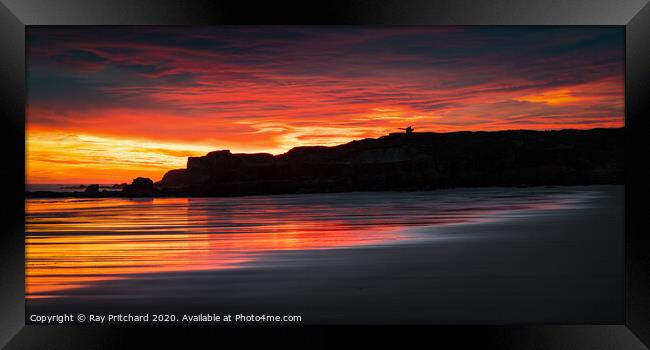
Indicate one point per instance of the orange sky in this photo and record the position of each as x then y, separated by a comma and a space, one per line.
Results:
108, 104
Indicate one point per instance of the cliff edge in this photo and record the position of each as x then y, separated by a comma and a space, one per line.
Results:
415, 161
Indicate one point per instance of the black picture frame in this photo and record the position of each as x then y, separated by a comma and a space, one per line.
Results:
634, 15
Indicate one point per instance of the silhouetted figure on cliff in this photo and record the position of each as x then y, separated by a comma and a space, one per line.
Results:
408, 130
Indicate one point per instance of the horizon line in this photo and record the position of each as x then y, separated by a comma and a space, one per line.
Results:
367, 138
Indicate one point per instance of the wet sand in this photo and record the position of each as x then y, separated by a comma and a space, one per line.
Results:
556, 266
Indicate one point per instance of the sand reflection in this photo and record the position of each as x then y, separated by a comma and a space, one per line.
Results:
73, 243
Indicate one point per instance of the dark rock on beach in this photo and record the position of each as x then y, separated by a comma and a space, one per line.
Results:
140, 187
92, 188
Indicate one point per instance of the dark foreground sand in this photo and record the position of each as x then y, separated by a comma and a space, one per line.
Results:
557, 266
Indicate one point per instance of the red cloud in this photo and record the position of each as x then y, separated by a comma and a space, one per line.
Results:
270, 89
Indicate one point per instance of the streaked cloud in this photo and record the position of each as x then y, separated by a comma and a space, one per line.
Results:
268, 89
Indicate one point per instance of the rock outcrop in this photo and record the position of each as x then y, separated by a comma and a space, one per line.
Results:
410, 162
140, 187
92, 189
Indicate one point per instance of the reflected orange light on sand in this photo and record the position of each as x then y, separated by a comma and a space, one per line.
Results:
76, 243
61, 262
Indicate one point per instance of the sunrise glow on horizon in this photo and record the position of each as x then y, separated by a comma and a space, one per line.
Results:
108, 104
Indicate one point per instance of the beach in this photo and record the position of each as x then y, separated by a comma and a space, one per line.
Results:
496, 256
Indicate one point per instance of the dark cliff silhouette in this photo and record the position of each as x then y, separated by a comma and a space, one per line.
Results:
412, 161
399, 161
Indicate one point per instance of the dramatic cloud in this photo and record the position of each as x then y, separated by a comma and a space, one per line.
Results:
267, 89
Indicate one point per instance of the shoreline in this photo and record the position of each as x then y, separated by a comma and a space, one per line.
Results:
563, 258
119, 194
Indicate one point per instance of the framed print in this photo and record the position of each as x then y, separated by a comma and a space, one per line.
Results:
471, 173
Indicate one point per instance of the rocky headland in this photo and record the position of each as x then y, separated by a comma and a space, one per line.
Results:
400, 161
